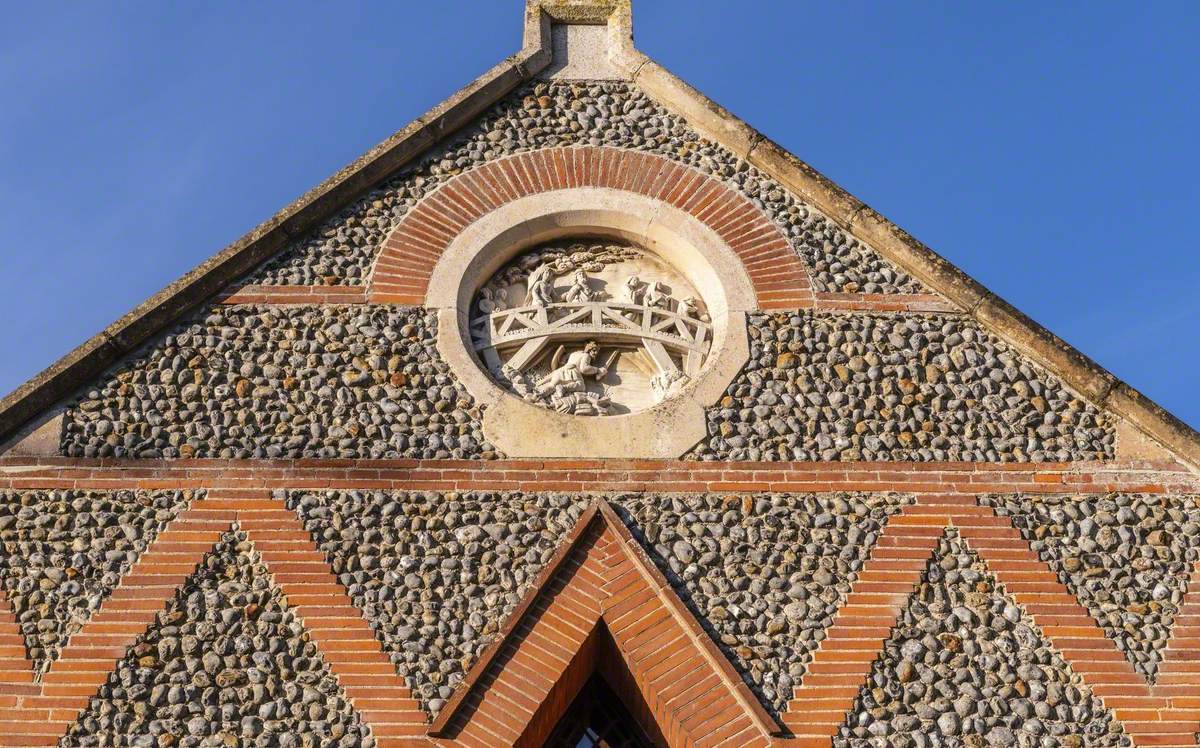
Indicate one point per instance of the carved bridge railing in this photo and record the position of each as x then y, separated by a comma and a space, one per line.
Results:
530, 328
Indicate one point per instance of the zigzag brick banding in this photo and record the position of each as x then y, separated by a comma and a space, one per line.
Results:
1159, 714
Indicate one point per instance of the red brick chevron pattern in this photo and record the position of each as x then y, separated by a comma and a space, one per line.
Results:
37, 714
1167, 714
404, 266
602, 583
615, 569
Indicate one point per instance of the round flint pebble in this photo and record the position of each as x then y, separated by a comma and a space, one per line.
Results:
284, 382
65, 552
829, 387
543, 115
965, 667
1127, 557
226, 664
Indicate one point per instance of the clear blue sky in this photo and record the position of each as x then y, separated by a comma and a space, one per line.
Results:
1049, 149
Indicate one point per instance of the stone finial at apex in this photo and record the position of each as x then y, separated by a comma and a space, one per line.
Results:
590, 39
580, 11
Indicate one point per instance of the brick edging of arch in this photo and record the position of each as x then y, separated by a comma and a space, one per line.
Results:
405, 264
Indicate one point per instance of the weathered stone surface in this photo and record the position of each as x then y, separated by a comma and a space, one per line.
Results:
261, 381
547, 114
964, 666
1127, 557
764, 574
922, 387
226, 664
63, 552
436, 575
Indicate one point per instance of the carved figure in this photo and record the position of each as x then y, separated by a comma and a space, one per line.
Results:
519, 382
492, 300
486, 303
582, 404
665, 383
690, 307
634, 290
541, 286
658, 296
579, 290
570, 376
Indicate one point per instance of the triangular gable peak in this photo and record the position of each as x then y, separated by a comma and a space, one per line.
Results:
592, 39
601, 606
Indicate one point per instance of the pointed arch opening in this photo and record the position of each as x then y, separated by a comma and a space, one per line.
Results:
600, 609
607, 711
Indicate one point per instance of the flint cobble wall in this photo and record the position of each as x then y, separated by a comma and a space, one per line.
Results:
226, 663
965, 664
745, 563
283, 381
1128, 557
247, 381
910, 387
549, 114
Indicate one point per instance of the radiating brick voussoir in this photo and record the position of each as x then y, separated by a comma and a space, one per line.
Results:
414, 247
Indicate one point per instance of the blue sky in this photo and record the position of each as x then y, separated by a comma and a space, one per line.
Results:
1048, 149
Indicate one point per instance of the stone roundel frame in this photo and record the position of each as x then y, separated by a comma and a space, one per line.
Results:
449, 245
521, 429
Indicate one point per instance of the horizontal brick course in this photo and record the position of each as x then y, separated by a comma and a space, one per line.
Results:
958, 482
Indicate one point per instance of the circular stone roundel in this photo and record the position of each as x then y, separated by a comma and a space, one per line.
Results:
591, 322
590, 327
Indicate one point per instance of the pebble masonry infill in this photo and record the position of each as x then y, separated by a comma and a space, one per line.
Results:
367, 382
225, 664
543, 115
64, 552
262, 381
911, 387
1127, 557
965, 667
437, 575
764, 573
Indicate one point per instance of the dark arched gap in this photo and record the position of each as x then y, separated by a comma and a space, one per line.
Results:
602, 714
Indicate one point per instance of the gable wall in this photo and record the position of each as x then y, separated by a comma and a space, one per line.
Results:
877, 436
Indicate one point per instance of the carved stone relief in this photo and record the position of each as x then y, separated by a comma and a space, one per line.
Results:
590, 327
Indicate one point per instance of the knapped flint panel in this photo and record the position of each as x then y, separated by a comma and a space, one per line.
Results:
225, 664
63, 552
918, 387
547, 114
965, 666
1127, 557
295, 381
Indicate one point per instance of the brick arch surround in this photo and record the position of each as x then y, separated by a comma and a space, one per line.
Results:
403, 269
